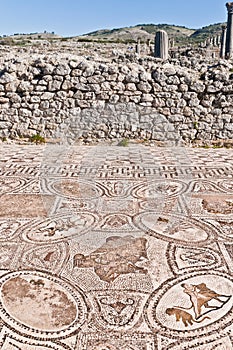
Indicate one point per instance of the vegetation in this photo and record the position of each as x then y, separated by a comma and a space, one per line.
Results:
124, 142
181, 34
38, 139
195, 125
7, 41
206, 32
127, 35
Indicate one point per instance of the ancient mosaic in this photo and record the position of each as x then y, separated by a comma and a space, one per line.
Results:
116, 248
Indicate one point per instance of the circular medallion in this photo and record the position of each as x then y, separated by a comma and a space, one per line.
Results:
191, 305
158, 188
40, 305
174, 228
77, 189
60, 227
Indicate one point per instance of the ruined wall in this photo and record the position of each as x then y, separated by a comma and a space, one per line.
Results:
55, 95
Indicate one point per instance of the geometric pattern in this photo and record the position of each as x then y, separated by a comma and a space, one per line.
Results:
109, 247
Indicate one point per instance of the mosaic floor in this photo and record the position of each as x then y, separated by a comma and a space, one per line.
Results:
116, 248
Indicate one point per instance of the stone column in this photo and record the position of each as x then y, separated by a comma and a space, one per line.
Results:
147, 47
223, 41
215, 41
171, 43
138, 47
161, 45
229, 35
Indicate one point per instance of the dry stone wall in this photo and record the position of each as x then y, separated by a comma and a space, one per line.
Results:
70, 96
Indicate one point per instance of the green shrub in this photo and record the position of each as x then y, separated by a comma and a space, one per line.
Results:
124, 142
38, 139
195, 125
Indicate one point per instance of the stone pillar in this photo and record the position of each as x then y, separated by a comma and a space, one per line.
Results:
171, 43
138, 47
223, 42
148, 47
215, 40
229, 35
161, 45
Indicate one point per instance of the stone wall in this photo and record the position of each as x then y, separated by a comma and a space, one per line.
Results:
70, 96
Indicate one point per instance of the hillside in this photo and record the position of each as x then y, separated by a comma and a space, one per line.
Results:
27, 39
180, 34
208, 31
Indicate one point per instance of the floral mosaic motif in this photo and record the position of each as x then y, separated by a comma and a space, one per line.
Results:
117, 310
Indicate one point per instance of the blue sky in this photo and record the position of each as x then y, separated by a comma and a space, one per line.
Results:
76, 17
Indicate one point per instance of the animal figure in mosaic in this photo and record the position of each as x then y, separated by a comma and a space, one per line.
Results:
203, 301
119, 255
200, 296
183, 316
62, 226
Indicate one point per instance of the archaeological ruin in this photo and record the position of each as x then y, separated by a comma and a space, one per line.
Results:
170, 93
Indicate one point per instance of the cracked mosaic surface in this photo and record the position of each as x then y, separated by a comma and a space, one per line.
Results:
110, 248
